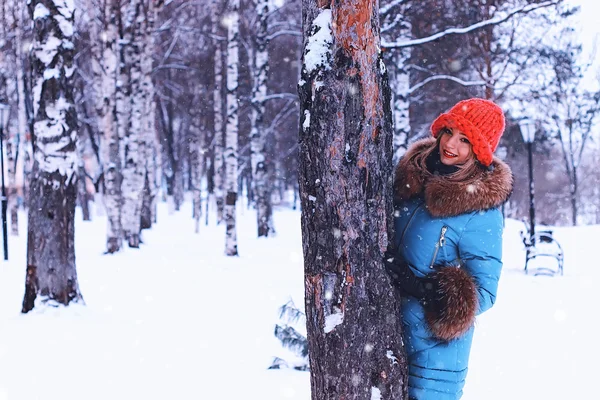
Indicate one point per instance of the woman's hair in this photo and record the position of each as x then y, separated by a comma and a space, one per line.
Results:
467, 172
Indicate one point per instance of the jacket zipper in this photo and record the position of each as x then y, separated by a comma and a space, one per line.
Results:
440, 243
408, 223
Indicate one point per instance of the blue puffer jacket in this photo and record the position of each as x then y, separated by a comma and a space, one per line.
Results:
442, 224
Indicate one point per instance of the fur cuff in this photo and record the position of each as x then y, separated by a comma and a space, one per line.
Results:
453, 312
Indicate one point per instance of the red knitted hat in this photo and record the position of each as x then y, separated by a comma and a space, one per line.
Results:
482, 121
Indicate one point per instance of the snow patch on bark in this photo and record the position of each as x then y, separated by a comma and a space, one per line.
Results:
390, 356
317, 49
48, 49
40, 11
51, 73
306, 123
375, 393
333, 320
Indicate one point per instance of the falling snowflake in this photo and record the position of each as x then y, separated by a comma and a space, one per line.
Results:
227, 20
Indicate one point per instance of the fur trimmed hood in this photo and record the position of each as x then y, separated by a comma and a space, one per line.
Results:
445, 198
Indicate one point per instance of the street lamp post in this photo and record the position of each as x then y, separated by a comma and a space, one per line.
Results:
4, 110
527, 127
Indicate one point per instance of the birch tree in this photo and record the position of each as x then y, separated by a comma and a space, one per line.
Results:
18, 10
260, 166
197, 150
51, 274
216, 9
139, 136
353, 316
149, 190
107, 67
231, 139
397, 25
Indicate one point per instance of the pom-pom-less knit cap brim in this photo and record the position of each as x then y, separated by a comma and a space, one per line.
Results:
480, 120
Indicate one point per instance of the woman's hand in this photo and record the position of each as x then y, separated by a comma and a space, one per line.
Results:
424, 289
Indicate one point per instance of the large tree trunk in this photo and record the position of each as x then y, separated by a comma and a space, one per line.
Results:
218, 111
353, 313
260, 165
51, 274
231, 138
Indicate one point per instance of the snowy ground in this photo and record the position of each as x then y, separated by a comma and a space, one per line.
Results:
178, 320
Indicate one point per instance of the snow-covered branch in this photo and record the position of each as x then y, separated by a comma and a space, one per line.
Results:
284, 32
388, 7
274, 96
493, 21
448, 78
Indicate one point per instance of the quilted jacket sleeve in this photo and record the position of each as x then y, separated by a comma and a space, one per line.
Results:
480, 249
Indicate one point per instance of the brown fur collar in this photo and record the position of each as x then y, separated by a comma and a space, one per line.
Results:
453, 312
445, 198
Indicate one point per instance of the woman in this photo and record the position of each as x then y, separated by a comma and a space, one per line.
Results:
448, 242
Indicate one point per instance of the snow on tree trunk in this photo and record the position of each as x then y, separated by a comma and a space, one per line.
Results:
135, 141
345, 175
108, 113
231, 138
51, 275
218, 111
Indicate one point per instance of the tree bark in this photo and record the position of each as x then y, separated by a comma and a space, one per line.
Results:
353, 313
51, 274
231, 138
260, 166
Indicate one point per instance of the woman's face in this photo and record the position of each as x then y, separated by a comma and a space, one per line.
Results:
455, 148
